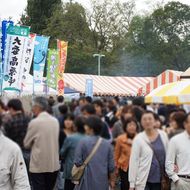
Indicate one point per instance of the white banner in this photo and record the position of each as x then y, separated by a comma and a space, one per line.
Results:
16, 42
29, 52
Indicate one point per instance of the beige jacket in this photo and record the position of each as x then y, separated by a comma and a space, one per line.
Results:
13, 174
42, 137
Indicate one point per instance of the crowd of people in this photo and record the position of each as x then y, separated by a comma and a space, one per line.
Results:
126, 146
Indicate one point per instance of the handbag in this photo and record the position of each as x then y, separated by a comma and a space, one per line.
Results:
165, 181
77, 172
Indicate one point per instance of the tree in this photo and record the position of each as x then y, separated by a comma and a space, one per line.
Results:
165, 35
37, 13
69, 23
109, 22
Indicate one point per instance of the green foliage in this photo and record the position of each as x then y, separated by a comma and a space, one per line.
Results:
37, 14
164, 35
153, 42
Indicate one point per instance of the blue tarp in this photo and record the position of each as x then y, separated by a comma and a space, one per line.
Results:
68, 90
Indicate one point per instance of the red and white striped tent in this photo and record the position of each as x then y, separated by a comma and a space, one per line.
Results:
105, 85
167, 76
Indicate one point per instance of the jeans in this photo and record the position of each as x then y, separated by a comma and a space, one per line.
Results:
60, 181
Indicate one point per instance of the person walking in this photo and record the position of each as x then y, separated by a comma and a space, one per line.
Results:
126, 112
42, 138
147, 160
179, 155
68, 151
13, 173
55, 108
99, 172
123, 150
89, 110
16, 126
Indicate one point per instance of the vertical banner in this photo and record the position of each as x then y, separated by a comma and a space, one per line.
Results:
89, 88
40, 55
53, 60
1, 63
62, 46
1, 72
17, 37
28, 57
5, 25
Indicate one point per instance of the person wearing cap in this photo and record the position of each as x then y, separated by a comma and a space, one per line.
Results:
13, 174
42, 138
179, 155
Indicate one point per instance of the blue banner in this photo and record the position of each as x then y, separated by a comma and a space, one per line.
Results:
1, 64
89, 88
40, 55
5, 25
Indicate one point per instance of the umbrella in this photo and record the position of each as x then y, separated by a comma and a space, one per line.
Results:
171, 93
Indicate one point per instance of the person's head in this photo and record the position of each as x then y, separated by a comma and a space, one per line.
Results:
40, 104
51, 101
130, 127
177, 120
137, 112
63, 109
69, 121
88, 100
60, 99
79, 124
98, 105
111, 106
148, 120
187, 123
2, 106
115, 100
15, 106
126, 112
138, 101
158, 122
93, 125
88, 110
81, 101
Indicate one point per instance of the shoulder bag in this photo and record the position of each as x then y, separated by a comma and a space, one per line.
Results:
165, 181
77, 172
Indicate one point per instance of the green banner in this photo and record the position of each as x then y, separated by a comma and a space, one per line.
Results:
18, 30
52, 72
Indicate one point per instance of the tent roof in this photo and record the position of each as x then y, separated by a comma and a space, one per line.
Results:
167, 76
186, 74
106, 85
68, 90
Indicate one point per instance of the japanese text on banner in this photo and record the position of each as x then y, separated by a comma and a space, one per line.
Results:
29, 52
14, 56
53, 60
40, 55
62, 46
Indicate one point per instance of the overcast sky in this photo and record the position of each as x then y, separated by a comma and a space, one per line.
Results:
14, 8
